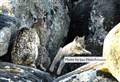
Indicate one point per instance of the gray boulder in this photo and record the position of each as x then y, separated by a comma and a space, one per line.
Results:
5, 35
16, 73
8, 28
87, 73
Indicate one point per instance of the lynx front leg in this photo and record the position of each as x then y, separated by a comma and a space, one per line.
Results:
57, 58
62, 63
43, 68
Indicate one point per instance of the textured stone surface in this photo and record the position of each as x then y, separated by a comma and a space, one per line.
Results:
87, 73
5, 35
8, 27
16, 73
103, 17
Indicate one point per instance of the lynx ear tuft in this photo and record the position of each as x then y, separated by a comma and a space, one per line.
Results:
76, 38
83, 37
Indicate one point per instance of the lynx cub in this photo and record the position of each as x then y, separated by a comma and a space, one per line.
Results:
75, 47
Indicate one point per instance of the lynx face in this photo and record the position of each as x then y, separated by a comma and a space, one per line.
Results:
80, 41
80, 46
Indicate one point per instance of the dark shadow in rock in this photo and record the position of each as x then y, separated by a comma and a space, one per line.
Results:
7, 56
79, 20
105, 74
5, 20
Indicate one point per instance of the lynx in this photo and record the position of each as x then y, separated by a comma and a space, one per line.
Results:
75, 47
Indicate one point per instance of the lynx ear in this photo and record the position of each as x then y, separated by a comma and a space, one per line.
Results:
83, 38
76, 38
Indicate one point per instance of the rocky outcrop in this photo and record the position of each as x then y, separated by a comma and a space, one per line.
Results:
103, 17
54, 28
13, 73
5, 35
8, 27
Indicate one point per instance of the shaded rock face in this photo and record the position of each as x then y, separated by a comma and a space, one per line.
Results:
103, 18
79, 16
94, 20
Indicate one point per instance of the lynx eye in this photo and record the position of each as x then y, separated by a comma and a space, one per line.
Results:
79, 47
83, 46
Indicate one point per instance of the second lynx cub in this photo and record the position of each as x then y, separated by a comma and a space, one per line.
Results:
75, 47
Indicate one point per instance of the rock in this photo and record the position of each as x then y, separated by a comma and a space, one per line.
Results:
87, 76
111, 51
87, 73
103, 16
7, 18
10, 22
8, 29
13, 73
5, 35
